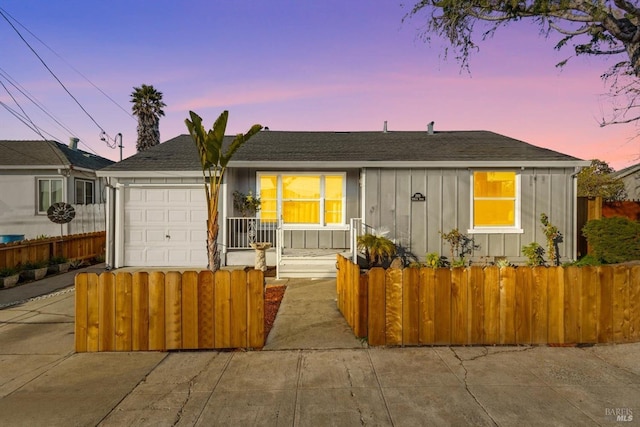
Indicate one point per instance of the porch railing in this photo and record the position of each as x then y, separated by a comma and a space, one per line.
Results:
244, 231
356, 229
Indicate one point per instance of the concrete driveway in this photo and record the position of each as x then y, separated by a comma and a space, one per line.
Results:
43, 382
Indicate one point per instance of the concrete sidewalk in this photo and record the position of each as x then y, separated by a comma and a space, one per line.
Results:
42, 382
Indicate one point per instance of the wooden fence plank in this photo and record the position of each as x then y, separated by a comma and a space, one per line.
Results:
476, 304
81, 317
589, 292
555, 304
539, 305
124, 307
572, 300
377, 311
620, 304
206, 310
156, 311
492, 305
442, 314
459, 308
410, 306
393, 313
190, 310
255, 309
427, 305
93, 313
605, 305
634, 303
173, 310
507, 305
361, 330
106, 290
222, 309
523, 296
140, 311
238, 313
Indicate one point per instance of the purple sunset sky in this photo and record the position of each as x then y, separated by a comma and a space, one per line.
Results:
297, 65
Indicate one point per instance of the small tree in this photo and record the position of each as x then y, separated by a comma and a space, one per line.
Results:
554, 237
597, 180
461, 246
214, 157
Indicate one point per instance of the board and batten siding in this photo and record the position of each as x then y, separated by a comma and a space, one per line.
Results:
244, 179
416, 225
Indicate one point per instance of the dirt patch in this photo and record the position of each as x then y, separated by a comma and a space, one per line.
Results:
272, 299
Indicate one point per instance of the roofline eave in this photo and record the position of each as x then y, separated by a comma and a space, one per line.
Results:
350, 165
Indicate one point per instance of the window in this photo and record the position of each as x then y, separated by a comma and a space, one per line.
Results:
84, 192
49, 192
309, 199
495, 204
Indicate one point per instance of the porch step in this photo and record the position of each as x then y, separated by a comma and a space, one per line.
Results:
309, 268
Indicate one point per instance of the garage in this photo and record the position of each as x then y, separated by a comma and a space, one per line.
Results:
165, 226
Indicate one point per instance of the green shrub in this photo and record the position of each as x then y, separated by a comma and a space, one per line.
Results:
377, 249
8, 271
613, 240
434, 260
534, 253
33, 265
55, 260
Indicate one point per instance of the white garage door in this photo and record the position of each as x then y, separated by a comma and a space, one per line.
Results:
165, 227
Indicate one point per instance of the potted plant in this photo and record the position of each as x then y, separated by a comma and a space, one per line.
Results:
9, 277
58, 264
34, 270
246, 204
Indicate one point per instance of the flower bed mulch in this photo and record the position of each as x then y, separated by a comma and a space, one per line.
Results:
272, 299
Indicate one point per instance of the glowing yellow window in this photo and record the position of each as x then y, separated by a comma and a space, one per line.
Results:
301, 199
333, 199
494, 199
268, 198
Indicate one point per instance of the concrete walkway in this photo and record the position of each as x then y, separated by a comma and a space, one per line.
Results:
43, 382
308, 318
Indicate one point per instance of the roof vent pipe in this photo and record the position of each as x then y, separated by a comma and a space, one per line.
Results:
384, 128
430, 128
73, 143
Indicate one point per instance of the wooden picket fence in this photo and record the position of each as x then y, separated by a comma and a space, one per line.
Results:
73, 247
119, 311
491, 305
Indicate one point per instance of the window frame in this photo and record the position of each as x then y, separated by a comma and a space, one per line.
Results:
322, 224
84, 191
50, 179
516, 228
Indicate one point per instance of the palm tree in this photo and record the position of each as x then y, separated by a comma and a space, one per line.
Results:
214, 162
147, 106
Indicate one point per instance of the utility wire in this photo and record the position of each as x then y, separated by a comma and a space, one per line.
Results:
22, 109
50, 71
35, 101
71, 66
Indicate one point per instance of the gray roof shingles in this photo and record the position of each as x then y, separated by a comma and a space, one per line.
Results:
48, 153
180, 152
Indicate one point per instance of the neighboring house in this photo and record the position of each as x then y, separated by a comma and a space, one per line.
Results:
319, 188
631, 178
36, 174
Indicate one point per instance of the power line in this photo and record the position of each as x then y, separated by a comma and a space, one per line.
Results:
50, 71
71, 66
34, 101
22, 109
